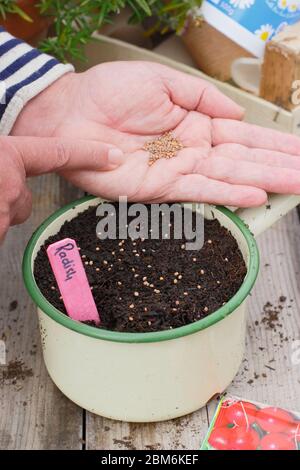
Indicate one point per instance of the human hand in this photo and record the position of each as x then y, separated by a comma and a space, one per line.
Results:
129, 103
28, 156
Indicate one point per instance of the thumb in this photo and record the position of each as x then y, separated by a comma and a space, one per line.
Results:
44, 155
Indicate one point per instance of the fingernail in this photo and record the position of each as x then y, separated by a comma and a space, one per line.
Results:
115, 156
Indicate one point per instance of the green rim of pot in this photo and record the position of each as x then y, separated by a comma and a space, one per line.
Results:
165, 335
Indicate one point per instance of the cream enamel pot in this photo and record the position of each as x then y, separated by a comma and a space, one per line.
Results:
143, 377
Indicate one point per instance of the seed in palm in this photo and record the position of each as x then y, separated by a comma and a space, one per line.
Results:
165, 146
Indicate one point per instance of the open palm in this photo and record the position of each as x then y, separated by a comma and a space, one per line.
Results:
127, 104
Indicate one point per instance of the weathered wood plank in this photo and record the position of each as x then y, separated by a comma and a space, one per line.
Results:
268, 374
33, 413
181, 433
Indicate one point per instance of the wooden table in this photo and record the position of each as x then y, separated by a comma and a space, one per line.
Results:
35, 415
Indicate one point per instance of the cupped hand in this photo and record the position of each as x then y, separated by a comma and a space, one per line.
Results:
29, 156
127, 104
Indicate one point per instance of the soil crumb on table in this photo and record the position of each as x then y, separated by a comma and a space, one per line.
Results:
15, 371
149, 285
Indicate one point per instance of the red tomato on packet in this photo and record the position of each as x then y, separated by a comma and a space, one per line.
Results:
241, 413
274, 419
244, 438
245, 425
277, 441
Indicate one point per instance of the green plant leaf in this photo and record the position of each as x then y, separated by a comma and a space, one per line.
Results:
143, 5
22, 14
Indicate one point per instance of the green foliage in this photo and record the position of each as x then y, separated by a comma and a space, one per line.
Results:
11, 6
75, 21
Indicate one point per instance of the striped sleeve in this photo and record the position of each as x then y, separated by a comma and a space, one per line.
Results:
24, 73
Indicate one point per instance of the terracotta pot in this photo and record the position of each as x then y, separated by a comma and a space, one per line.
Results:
29, 31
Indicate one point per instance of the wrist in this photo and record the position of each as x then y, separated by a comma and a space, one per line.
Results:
43, 114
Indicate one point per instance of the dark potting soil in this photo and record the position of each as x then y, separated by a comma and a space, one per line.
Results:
149, 285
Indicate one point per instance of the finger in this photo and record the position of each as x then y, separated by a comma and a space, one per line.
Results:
198, 188
44, 155
4, 225
270, 179
194, 131
194, 94
229, 131
267, 157
22, 209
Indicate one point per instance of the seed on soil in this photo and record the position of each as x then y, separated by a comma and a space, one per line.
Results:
209, 242
83, 256
202, 271
130, 318
91, 263
97, 248
158, 304
136, 294
52, 287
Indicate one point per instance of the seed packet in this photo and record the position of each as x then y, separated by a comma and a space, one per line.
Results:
240, 424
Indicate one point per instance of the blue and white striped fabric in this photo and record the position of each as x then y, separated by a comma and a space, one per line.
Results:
24, 73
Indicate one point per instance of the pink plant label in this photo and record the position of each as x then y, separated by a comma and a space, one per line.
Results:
72, 281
